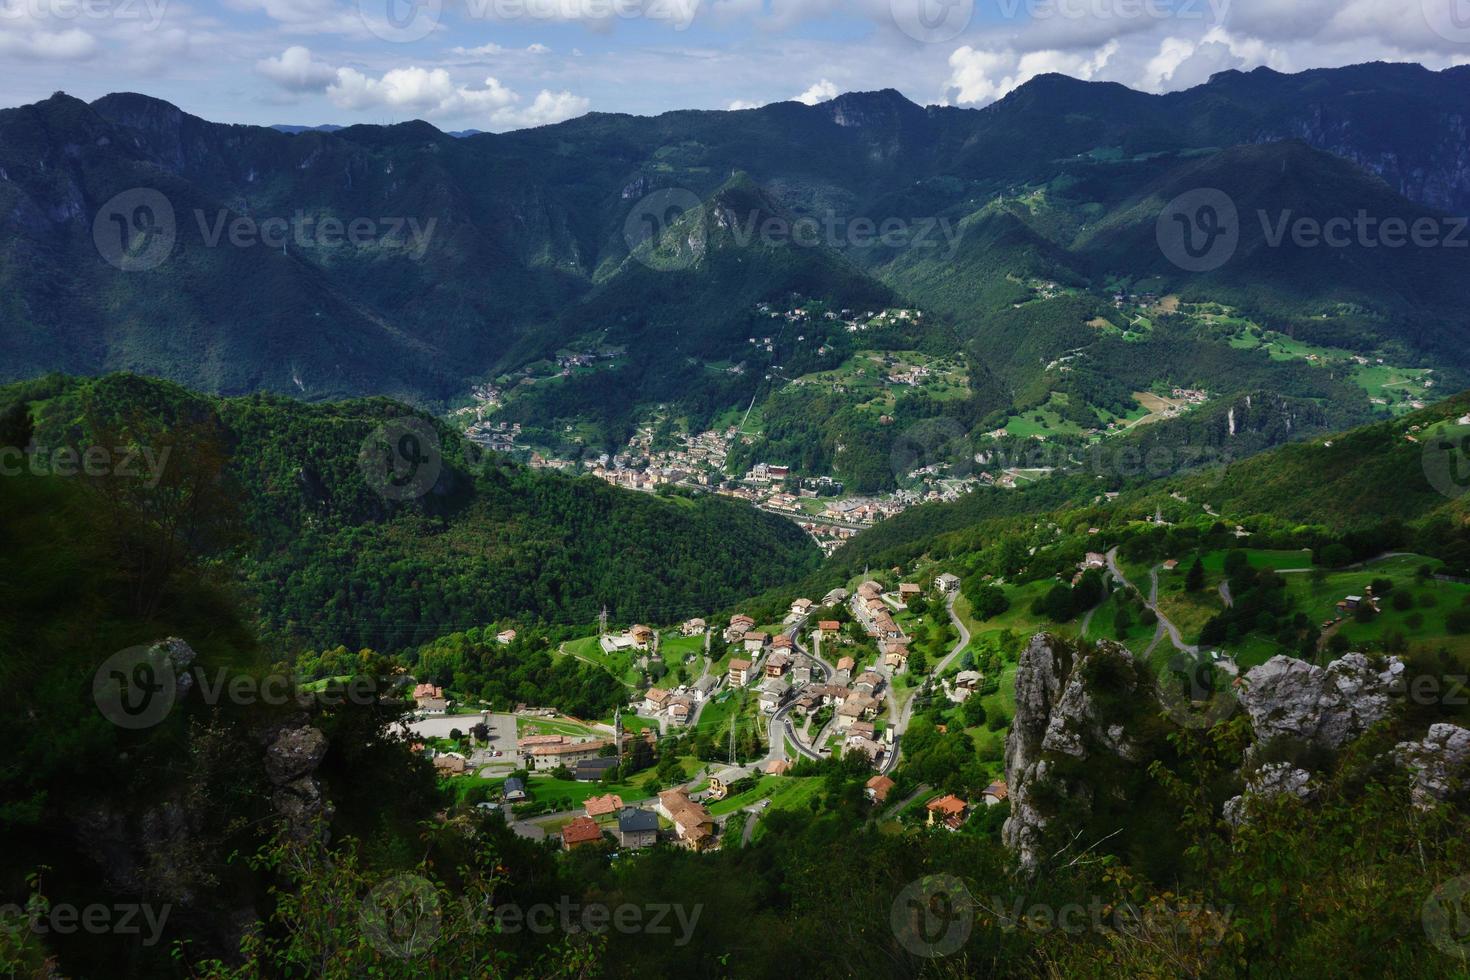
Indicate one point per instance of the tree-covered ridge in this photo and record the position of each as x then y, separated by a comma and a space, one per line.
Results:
331, 560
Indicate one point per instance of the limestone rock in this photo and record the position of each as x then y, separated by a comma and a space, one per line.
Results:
1440, 762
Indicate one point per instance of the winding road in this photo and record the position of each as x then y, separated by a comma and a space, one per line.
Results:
1165, 626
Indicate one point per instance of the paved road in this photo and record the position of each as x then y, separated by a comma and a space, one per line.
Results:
1165, 626
895, 808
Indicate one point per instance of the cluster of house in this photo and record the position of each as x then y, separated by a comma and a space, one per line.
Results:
951, 812
677, 705
854, 701
632, 827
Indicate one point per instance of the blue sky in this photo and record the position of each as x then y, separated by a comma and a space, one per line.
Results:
505, 64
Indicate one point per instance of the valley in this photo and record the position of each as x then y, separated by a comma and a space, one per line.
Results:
868, 535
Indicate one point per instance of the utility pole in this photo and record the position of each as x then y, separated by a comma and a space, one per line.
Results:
602, 622
732, 740
618, 730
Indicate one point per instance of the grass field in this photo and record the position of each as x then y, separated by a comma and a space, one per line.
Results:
784, 792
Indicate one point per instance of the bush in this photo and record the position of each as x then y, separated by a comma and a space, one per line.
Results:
1458, 622
1427, 600
1403, 601
1382, 586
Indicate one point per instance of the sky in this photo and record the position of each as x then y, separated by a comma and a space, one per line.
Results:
498, 65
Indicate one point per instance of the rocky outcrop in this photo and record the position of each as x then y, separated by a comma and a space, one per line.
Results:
1289, 698
1060, 721
291, 759
1440, 762
1272, 779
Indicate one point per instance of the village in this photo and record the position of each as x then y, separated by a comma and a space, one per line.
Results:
798, 682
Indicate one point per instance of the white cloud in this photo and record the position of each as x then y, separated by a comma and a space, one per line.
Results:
482, 50
742, 104
434, 93
545, 109
820, 92
978, 76
295, 70
69, 45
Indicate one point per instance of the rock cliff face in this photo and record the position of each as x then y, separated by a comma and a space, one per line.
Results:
1072, 742
1062, 720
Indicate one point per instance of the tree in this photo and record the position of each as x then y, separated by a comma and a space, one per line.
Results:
973, 711
1194, 579
1121, 622
989, 601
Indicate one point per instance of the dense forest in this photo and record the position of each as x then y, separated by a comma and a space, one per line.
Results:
330, 558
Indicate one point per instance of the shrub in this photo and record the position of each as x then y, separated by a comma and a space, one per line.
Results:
1458, 622
1403, 601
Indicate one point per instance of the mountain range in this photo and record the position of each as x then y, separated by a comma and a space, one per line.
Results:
476, 255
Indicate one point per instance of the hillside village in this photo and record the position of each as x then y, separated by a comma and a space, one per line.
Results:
830, 680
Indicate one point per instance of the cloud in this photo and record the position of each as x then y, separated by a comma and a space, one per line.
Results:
481, 51
978, 75
820, 92
743, 104
545, 109
295, 70
434, 93
73, 44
